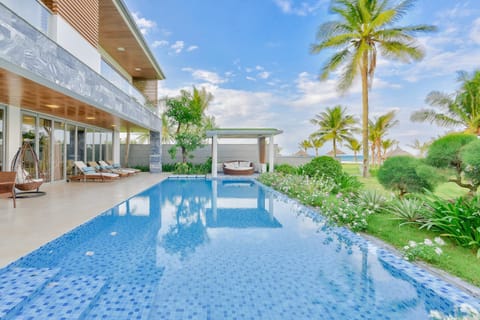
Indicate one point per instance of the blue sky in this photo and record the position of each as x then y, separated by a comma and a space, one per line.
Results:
253, 56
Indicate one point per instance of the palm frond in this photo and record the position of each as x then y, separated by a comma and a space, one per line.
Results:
406, 52
432, 116
336, 60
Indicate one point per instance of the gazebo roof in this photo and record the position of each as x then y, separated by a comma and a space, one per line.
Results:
243, 133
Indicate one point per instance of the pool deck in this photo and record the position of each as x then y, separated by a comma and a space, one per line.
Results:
66, 205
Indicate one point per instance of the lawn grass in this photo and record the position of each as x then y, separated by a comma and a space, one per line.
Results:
456, 260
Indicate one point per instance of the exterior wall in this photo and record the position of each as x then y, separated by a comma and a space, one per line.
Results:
12, 134
67, 37
292, 160
148, 87
29, 53
82, 15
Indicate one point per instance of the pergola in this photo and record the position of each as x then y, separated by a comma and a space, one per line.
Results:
245, 133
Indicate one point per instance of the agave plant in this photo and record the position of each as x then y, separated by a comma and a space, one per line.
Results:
411, 210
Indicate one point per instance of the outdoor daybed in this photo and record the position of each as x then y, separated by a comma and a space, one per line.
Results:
238, 168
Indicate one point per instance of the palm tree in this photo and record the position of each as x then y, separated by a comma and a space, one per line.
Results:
386, 145
316, 143
305, 145
421, 147
365, 28
334, 125
377, 131
354, 145
167, 129
460, 109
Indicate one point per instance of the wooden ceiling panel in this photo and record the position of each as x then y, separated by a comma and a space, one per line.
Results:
115, 33
19, 91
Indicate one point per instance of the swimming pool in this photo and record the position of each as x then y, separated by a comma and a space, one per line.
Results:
217, 249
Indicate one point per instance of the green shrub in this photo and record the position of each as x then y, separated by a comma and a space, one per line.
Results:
142, 168
347, 183
286, 169
470, 155
322, 166
182, 168
410, 210
458, 219
445, 152
404, 174
168, 167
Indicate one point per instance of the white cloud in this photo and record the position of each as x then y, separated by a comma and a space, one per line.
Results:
250, 78
248, 70
192, 48
160, 43
302, 9
178, 46
143, 24
475, 31
204, 75
264, 75
259, 68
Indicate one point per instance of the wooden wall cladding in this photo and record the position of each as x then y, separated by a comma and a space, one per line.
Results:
81, 15
148, 88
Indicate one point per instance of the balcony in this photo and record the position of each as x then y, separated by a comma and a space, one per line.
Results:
29, 53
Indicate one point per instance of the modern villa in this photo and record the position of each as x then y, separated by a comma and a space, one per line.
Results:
73, 76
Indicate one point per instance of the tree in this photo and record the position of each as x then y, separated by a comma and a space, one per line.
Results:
354, 145
365, 28
405, 174
460, 109
421, 147
305, 145
446, 153
316, 143
187, 111
334, 124
387, 144
377, 131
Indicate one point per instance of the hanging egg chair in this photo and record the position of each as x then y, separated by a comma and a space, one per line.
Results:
26, 165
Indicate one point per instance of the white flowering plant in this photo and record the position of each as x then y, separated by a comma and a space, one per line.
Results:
464, 312
427, 250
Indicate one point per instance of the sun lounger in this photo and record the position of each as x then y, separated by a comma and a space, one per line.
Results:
104, 169
117, 166
238, 168
106, 166
7, 185
89, 173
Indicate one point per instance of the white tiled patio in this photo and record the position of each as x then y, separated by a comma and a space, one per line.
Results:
38, 220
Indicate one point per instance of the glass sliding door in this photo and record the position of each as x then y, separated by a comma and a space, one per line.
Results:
28, 135
3, 165
97, 141
58, 150
90, 145
70, 140
45, 148
81, 144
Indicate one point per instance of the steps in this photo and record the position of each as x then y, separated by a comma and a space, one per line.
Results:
67, 297
18, 285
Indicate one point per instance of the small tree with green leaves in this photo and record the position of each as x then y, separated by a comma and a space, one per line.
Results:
446, 153
404, 174
470, 155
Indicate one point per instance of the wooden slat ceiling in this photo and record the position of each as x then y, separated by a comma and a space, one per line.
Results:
19, 91
114, 33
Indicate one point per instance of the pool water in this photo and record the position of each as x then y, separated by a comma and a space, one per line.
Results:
217, 249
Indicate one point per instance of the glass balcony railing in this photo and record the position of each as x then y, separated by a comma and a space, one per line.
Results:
112, 75
31, 11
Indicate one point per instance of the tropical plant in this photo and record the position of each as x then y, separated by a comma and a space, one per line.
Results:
405, 174
421, 147
354, 145
445, 153
387, 145
371, 200
167, 130
427, 250
410, 210
365, 28
470, 155
187, 112
305, 145
459, 109
458, 220
317, 143
334, 124
378, 129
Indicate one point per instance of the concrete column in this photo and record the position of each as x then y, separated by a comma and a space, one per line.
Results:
214, 156
116, 146
13, 134
271, 154
155, 152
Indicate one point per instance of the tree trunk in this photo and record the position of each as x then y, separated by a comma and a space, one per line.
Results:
334, 148
363, 71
